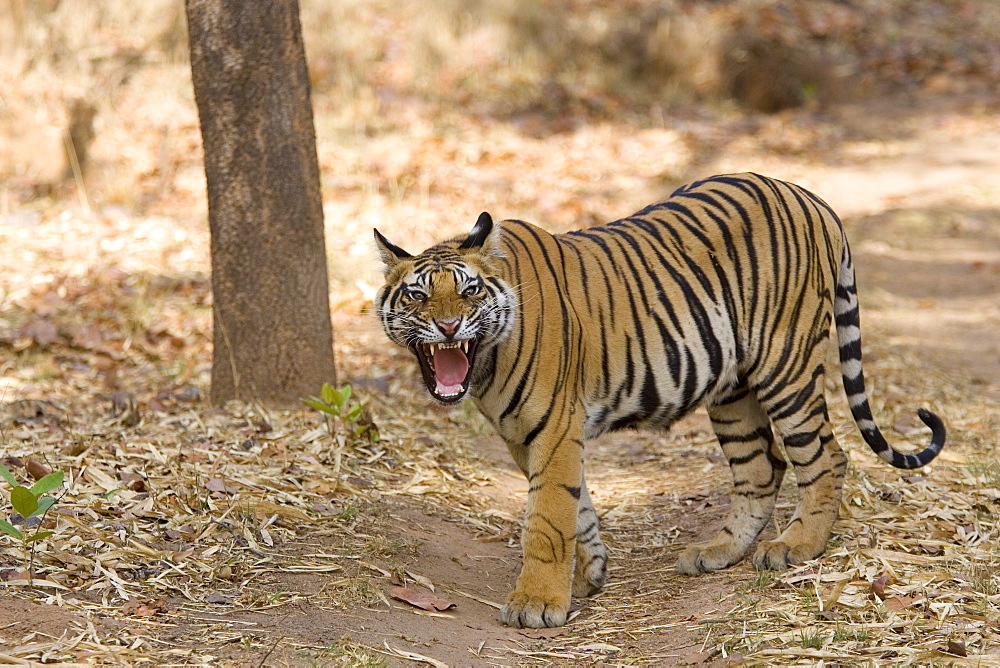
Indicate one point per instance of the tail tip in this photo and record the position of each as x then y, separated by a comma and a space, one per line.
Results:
934, 422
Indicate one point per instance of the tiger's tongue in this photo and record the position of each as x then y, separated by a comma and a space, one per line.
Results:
451, 366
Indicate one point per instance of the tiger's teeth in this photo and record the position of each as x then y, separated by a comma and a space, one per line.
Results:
464, 344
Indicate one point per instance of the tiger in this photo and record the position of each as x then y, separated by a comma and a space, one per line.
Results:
721, 295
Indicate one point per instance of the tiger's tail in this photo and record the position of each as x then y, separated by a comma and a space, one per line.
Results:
848, 321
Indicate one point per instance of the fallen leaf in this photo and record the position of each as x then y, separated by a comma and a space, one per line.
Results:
218, 485
878, 585
133, 481
12, 462
144, 607
902, 602
421, 580
36, 469
428, 602
957, 647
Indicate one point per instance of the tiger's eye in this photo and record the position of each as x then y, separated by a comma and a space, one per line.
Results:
416, 294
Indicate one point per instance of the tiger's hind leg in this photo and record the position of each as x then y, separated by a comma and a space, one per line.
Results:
744, 431
798, 412
591, 556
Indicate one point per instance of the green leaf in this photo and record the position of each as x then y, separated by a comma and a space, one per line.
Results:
23, 501
352, 415
345, 393
7, 475
319, 405
9, 528
108, 494
38, 535
48, 483
44, 504
328, 393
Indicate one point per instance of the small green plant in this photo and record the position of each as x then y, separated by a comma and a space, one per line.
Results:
336, 407
762, 581
348, 513
857, 634
813, 639
28, 503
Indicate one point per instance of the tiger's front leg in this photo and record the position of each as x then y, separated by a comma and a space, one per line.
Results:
553, 465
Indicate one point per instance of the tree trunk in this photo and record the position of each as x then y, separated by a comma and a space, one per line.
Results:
272, 336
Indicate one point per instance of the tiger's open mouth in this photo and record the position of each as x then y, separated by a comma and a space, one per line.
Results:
446, 367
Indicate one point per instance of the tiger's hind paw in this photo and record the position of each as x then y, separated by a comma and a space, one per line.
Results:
776, 555
591, 569
589, 580
706, 557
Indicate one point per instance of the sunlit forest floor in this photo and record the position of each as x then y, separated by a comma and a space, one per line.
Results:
192, 534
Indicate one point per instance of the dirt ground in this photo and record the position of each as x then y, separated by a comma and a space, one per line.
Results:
437, 503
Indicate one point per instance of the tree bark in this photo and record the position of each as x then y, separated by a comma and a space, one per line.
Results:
272, 336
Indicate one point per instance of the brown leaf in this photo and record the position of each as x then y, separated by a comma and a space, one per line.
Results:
133, 481
216, 597
957, 647
12, 462
932, 550
218, 485
902, 602
36, 469
878, 585
143, 607
428, 602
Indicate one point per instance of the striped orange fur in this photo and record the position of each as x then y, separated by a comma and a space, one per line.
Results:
721, 295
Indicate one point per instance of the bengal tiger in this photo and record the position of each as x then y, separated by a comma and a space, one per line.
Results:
721, 295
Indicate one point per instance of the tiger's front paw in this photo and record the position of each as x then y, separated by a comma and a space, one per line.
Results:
534, 612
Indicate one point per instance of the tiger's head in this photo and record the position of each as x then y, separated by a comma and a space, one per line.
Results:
446, 305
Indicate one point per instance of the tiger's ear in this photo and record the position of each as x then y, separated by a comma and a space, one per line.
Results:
484, 237
390, 253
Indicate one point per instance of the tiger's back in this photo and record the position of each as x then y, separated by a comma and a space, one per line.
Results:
722, 295
669, 306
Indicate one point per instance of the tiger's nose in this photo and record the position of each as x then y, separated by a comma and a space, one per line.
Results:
449, 327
